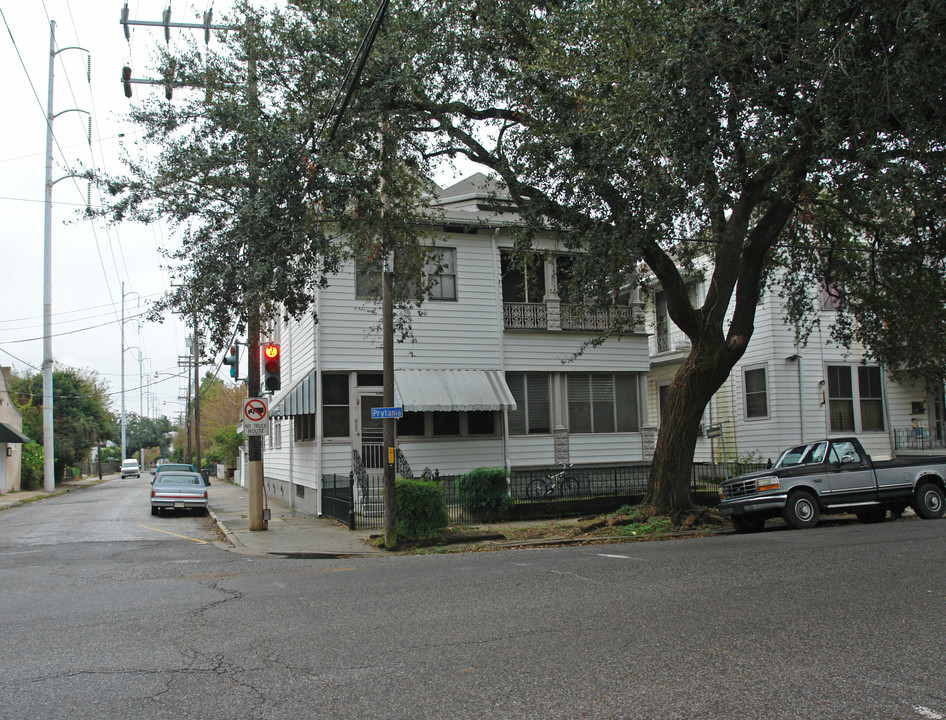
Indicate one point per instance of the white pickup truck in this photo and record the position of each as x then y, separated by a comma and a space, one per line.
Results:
833, 476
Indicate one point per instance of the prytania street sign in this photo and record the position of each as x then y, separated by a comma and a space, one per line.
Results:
387, 413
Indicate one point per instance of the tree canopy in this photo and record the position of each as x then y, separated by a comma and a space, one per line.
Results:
798, 134
761, 135
81, 414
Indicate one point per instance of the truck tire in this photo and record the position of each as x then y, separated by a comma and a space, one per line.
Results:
928, 501
748, 523
801, 510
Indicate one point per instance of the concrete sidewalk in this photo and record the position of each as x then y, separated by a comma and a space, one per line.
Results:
291, 533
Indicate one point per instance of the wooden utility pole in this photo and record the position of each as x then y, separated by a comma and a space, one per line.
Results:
255, 450
389, 432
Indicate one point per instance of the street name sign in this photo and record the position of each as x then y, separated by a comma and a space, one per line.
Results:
387, 413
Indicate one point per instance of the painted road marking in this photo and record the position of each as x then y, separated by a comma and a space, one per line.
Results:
167, 532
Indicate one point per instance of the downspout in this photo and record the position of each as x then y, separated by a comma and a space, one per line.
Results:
498, 304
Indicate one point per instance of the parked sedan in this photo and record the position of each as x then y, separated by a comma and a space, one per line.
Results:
172, 467
178, 491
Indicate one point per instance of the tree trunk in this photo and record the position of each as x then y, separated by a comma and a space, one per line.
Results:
701, 375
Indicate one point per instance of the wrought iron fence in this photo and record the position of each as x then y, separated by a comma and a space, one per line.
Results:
919, 438
359, 503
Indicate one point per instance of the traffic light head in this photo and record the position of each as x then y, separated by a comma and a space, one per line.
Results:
232, 358
126, 80
271, 367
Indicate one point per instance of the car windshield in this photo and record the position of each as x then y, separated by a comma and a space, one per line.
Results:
174, 479
170, 468
809, 454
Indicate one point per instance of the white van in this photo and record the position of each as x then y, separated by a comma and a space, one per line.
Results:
130, 468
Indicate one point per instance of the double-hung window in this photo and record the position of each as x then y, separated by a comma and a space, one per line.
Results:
855, 406
443, 275
756, 391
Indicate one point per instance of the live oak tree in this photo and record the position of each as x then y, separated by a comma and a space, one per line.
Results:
805, 134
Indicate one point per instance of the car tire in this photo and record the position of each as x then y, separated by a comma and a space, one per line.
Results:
154, 510
801, 511
928, 501
748, 523
872, 515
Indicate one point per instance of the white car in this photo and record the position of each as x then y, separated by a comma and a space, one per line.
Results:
130, 469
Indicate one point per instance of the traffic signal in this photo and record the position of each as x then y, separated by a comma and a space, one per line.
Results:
232, 358
271, 367
126, 80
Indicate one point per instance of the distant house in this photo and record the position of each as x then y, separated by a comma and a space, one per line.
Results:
779, 393
492, 377
11, 438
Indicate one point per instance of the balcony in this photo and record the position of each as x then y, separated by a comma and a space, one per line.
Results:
525, 316
555, 315
673, 342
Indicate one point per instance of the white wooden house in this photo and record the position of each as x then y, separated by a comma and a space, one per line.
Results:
491, 378
780, 393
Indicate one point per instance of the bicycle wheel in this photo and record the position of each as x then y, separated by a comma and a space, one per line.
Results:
569, 487
536, 490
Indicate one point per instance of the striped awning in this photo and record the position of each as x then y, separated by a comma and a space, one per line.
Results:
298, 401
443, 390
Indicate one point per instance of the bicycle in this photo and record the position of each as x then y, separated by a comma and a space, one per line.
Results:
556, 484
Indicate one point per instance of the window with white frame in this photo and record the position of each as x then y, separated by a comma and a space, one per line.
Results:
335, 405
755, 385
855, 406
367, 282
443, 274
533, 413
602, 402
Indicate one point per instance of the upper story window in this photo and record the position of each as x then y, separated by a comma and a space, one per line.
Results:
523, 276
756, 392
443, 274
855, 407
367, 282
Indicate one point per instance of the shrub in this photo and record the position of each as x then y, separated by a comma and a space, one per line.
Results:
484, 492
421, 508
31, 466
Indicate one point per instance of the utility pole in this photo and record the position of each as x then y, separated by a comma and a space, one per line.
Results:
196, 392
49, 446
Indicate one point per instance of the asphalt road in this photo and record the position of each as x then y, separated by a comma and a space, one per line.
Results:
109, 613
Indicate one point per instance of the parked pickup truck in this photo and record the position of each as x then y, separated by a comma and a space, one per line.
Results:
833, 476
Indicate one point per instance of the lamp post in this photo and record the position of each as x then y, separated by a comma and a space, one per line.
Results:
130, 292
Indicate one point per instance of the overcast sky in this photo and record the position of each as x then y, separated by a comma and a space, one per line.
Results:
95, 266
90, 260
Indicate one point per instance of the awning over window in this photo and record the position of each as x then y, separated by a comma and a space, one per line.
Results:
298, 401
9, 434
441, 390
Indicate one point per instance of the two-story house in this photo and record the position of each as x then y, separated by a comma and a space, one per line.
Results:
492, 377
781, 393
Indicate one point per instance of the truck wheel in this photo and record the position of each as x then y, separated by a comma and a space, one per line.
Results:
928, 501
873, 515
801, 510
748, 523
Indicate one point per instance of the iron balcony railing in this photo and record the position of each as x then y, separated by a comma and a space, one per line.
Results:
669, 342
525, 316
583, 317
